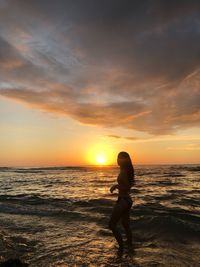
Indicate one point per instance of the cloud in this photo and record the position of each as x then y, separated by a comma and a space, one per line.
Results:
61, 100
188, 147
132, 138
9, 58
133, 64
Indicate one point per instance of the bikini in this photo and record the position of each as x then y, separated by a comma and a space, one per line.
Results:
127, 198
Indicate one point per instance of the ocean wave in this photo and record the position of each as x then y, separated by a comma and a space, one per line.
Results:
186, 168
166, 182
102, 182
187, 201
173, 174
146, 173
194, 169
150, 215
41, 169
34, 199
37, 199
169, 227
36, 205
94, 202
42, 212
5, 169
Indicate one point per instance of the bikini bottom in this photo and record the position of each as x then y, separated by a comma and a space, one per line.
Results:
127, 199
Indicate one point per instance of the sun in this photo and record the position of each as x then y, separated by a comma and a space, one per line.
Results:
101, 159
100, 154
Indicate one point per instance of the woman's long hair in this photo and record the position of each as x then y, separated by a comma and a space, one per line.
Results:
125, 163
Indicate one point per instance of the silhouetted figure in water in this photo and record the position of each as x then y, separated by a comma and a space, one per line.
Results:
121, 210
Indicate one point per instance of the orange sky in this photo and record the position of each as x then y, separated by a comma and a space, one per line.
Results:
33, 138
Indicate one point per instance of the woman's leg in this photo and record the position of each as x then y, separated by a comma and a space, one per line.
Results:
126, 225
114, 219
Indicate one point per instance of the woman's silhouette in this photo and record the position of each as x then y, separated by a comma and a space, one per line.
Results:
121, 210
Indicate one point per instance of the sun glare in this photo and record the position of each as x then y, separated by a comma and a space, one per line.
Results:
101, 159
100, 154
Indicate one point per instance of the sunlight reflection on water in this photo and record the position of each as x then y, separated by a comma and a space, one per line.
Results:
59, 217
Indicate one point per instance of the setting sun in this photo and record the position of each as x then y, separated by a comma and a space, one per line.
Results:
101, 159
101, 154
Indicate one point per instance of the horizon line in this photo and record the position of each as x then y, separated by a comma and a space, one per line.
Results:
90, 165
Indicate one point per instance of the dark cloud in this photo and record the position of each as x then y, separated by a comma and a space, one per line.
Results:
9, 58
62, 100
132, 138
133, 64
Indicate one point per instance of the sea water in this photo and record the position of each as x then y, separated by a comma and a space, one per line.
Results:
58, 216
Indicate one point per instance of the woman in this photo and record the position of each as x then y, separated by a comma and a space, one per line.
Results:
121, 210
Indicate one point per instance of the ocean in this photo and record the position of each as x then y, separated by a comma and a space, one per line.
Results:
58, 216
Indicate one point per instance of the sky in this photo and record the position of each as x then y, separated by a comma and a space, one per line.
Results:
87, 79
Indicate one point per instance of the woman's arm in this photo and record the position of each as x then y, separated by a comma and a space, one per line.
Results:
113, 187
